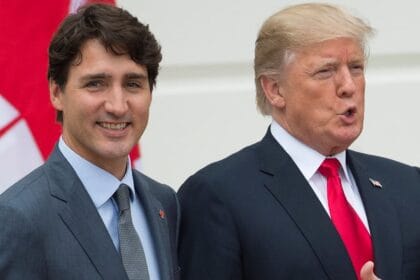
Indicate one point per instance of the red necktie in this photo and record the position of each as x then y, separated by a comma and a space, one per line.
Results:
354, 234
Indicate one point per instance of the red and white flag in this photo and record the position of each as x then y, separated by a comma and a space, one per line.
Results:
28, 130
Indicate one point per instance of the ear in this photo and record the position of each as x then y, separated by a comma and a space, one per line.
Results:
56, 95
273, 91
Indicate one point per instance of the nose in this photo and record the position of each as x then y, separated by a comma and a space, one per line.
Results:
346, 83
116, 102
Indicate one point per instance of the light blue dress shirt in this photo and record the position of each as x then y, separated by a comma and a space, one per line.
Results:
101, 185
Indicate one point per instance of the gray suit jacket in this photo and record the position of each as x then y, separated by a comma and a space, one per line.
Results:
50, 228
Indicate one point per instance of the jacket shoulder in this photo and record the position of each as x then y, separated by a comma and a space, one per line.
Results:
378, 162
27, 190
224, 176
238, 162
155, 187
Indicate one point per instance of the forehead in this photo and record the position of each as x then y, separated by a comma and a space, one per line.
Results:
340, 49
94, 57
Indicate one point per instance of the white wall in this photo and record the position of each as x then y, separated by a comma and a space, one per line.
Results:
204, 109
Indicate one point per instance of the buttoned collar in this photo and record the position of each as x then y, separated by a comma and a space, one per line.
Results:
307, 159
99, 183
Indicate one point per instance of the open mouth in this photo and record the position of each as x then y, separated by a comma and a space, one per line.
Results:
350, 112
113, 126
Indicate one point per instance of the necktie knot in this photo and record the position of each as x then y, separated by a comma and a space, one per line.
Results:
329, 168
122, 197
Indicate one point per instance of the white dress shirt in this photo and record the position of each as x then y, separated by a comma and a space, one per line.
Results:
308, 161
101, 185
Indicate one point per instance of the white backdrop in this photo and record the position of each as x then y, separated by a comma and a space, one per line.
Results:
203, 107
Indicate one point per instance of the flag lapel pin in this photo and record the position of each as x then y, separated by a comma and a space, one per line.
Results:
375, 183
162, 214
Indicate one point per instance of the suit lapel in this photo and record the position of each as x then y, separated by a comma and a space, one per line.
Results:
382, 219
289, 187
157, 224
81, 217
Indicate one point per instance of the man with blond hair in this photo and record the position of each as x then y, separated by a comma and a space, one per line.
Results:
299, 204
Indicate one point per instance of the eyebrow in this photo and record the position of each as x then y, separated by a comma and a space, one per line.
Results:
332, 62
135, 76
97, 76
326, 62
131, 75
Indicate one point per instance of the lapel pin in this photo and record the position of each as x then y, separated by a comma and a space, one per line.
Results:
375, 183
162, 214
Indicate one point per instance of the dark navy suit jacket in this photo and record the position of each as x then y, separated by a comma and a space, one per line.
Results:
253, 216
50, 228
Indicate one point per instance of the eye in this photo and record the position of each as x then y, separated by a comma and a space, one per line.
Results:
357, 68
94, 84
324, 73
134, 84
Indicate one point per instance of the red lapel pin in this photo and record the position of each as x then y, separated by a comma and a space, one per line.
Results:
162, 214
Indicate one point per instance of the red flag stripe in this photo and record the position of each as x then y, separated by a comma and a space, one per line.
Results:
4, 129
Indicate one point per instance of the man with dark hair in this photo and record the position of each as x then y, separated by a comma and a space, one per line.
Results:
85, 213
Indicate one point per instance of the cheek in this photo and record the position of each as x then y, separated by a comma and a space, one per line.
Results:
141, 106
141, 112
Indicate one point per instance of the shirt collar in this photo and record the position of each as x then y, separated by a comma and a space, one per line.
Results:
307, 159
99, 184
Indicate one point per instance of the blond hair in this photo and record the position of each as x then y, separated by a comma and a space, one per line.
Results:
298, 26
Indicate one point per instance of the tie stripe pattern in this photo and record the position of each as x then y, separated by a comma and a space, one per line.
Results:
131, 249
351, 229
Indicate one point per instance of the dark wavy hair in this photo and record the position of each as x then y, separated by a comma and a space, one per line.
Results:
118, 31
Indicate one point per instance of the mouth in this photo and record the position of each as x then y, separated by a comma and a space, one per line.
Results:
113, 125
349, 116
350, 112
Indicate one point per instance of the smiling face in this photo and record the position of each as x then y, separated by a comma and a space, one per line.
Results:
320, 98
105, 105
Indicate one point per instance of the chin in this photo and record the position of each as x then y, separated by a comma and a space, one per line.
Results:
343, 144
116, 150
349, 135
